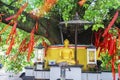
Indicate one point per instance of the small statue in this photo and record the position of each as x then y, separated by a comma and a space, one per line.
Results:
66, 54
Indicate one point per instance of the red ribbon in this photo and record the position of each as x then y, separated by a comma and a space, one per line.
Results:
31, 44
119, 70
113, 69
111, 23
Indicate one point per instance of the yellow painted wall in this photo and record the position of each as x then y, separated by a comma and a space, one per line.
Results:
82, 57
53, 54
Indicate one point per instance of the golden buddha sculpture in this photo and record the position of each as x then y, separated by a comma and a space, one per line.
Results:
66, 54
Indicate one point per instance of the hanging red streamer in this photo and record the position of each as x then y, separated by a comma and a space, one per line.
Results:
36, 26
108, 44
97, 38
10, 46
111, 47
15, 17
23, 46
12, 33
31, 44
113, 69
119, 70
111, 23
11, 38
45, 45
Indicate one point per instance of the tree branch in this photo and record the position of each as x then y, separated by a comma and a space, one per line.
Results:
30, 23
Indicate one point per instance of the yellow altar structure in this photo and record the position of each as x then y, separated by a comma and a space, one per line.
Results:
53, 54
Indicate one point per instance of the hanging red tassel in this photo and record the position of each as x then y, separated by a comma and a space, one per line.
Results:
108, 44
45, 45
15, 17
104, 44
23, 46
13, 30
36, 26
119, 70
11, 38
97, 38
113, 69
111, 46
12, 33
20, 11
111, 23
10, 46
31, 44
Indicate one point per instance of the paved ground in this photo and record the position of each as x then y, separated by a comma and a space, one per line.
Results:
8, 75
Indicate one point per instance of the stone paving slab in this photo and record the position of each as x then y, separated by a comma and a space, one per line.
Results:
4, 75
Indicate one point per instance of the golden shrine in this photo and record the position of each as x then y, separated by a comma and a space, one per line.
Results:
53, 52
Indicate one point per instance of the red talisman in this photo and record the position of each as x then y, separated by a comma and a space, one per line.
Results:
97, 38
119, 71
31, 44
111, 23
11, 38
13, 22
113, 69
45, 45
24, 45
